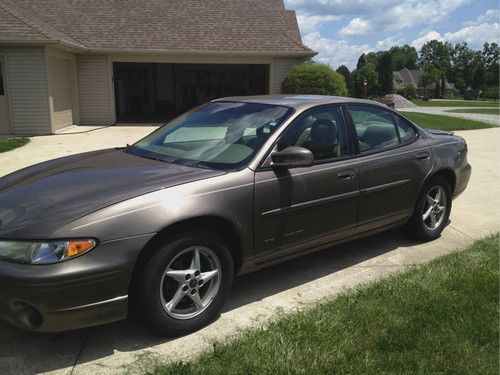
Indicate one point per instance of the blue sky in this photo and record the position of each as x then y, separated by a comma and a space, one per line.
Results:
340, 30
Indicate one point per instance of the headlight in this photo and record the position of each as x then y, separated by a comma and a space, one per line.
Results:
44, 252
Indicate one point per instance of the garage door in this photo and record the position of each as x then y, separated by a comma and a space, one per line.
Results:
4, 102
61, 89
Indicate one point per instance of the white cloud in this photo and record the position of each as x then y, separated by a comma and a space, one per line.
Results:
387, 43
309, 23
378, 15
489, 15
357, 26
475, 35
431, 35
335, 52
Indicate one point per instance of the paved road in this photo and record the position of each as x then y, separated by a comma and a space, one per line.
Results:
492, 119
255, 298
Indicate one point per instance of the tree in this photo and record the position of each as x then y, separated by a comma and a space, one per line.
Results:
490, 60
314, 78
361, 61
431, 75
403, 57
409, 91
466, 68
492, 93
384, 70
437, 54
344, 70
366, 75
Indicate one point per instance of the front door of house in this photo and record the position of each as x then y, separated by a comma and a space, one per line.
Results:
4, 102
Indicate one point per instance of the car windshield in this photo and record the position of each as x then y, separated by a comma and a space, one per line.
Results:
219, 135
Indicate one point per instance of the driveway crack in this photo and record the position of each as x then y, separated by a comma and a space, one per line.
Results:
80, 351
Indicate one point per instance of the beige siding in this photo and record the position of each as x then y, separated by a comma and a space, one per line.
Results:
281, 68
28, 91
61, 92
93, 90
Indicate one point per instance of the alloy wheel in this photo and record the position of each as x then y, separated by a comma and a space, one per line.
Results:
434, 209
190, 282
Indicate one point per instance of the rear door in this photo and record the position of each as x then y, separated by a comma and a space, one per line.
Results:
301, 208
393, 162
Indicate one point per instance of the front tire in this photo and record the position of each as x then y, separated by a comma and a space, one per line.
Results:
185, 284
432, 210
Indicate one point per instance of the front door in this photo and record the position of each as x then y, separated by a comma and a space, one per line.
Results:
393, 161
301, 208
4, 102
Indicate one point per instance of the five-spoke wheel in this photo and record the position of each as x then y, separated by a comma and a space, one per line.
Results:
432, 210
190, 282
185, 283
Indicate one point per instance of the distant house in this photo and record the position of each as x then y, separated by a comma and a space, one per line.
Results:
414, 77
101, 62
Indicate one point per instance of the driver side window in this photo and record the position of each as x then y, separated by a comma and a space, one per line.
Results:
322, 131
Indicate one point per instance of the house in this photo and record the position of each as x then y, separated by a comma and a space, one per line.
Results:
414, 77
102, 62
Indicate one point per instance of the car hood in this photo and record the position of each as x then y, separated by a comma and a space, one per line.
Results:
39, 199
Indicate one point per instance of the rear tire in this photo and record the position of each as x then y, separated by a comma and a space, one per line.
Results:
432, 210
185, 284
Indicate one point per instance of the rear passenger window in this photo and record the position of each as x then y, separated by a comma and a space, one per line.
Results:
406, 131
375, 128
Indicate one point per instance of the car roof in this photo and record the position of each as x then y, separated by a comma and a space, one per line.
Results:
297, 101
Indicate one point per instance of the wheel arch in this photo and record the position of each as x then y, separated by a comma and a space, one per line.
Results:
218, 225
447, 174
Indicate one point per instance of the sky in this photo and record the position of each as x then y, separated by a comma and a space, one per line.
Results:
341, 30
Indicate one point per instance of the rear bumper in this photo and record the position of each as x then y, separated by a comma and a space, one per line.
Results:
82, 292
463, 176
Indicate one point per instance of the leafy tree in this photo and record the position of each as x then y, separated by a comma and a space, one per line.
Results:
409, 91
466, 68
348, 77
492, 93
314, 78
384, 70
490, 59
361, 61
437, 54
431, 75
367, 74
403, 57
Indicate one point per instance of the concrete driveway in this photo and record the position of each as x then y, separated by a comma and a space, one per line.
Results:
256, 298
492, 119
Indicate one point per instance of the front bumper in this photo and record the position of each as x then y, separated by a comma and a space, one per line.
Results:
89, 290
462, 179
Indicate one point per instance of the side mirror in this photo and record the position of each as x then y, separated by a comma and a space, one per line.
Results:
292, 157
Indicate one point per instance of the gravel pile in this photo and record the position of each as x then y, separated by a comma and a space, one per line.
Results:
400, 102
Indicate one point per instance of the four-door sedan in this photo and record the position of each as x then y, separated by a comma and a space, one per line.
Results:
163, 226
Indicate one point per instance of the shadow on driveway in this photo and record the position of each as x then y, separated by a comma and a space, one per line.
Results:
26, 352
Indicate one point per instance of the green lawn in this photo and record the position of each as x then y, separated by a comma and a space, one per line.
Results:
439, 318
445, 122
8, 143
455, 103
484, 111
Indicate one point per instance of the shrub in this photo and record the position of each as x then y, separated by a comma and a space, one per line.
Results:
409, 92
491, 93
314, 78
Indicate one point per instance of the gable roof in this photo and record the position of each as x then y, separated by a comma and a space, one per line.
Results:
406, 76
218, 26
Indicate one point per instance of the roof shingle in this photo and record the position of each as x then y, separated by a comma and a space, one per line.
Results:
237, 26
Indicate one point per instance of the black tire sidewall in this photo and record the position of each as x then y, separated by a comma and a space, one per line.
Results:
417, 224
151, 275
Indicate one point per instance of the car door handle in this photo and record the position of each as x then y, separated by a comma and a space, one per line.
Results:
423, 156
346, 175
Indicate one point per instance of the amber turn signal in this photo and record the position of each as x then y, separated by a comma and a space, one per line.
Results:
78, 247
